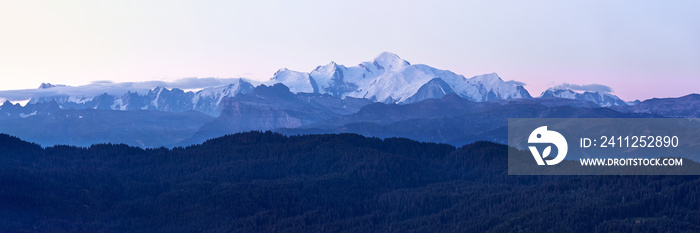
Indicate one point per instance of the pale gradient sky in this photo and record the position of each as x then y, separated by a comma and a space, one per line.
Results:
642, 49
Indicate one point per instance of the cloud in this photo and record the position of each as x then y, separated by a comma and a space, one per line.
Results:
99, 87
102, 82
588, 87
517, 83
193, 83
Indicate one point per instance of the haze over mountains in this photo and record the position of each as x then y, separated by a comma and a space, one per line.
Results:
385, 97
387, 78
206, 101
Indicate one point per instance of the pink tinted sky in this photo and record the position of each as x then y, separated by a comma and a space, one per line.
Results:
642, 49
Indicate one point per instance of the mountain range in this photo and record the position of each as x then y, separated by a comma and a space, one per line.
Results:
387, 79
390, 79
386, 97
47, 124
207, 101
600, 98
451, 119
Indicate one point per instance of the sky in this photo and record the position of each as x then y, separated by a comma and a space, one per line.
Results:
636, 49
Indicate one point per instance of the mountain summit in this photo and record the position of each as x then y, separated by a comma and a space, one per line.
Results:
602, 99
207, 100
390, 79
49, 85
390, 61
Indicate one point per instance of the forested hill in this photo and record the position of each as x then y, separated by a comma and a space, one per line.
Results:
267, 182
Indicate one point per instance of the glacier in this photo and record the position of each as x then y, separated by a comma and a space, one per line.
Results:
390, 79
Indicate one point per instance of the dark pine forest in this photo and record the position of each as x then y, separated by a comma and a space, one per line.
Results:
267, 182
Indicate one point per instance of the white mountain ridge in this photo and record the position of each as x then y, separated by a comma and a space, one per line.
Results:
387, 78
207, 100
390, 79
602, 99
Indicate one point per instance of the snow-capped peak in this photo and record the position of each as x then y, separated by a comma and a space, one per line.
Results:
389, 61
330, 67
559, 93
488, 78
49, 85
603, 99
158, 89
388, 78
295, 80
207, 100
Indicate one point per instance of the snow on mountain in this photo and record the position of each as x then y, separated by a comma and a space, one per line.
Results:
387, 78
295, 80
600, 98
389, 62
390, 79
330, 79
207, 100
79, 100
49, 85
9, 110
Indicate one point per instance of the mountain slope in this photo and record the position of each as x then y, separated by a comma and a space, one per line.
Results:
599, 98
452, 119
274, 107
686, 106
387, 78
434, 89
390, 79
207, 100
47, 124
